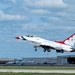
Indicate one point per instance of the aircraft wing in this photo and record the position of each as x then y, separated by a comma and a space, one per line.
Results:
46, 46
46, 43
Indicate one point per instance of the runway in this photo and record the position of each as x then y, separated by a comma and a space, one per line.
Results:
36, 71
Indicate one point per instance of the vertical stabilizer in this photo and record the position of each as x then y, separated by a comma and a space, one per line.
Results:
70, 40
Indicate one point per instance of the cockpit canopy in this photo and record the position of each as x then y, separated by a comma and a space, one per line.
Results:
30, 36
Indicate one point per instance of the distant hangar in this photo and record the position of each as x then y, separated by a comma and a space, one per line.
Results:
59, 60
67, 59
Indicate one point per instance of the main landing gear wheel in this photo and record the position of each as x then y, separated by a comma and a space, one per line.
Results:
48, 50
44, 50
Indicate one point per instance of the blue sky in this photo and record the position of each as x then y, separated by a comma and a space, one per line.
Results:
49, 19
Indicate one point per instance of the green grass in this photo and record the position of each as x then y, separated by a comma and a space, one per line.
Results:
38, 67
10, 73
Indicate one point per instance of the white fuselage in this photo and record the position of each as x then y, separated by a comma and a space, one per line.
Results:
37, 41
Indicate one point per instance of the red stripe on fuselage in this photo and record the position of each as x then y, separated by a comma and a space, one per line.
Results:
61, 42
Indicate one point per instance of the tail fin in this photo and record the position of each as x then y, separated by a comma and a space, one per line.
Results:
70, 40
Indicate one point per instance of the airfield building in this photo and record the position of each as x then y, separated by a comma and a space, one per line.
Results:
40, 60
68, 59
5, 60
59, 60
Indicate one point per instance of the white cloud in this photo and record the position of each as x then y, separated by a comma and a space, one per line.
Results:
68, 14
5, 17
54, 18
13, 1
46, 27
45, 3
70, 1
29, 26
40, 11
57, 27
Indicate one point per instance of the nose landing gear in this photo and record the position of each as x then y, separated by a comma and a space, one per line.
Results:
35, 48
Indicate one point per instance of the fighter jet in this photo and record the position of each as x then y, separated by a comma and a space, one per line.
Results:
60, 46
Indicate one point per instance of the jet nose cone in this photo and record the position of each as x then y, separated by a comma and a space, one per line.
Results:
17, 37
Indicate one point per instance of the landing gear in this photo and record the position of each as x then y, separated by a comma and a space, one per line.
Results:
62, 51
44, 50
59, 51
48, 50
35, 48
